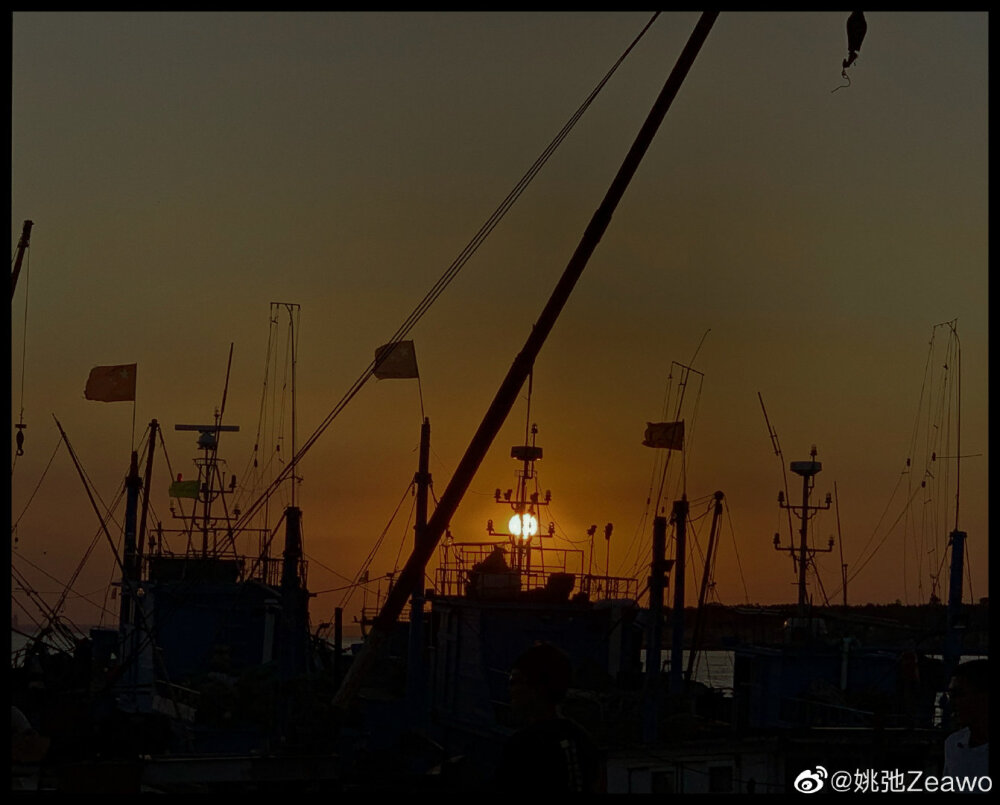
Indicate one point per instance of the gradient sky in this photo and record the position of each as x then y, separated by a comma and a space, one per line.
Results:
184, 170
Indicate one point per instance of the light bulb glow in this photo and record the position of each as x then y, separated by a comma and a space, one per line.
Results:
524, 526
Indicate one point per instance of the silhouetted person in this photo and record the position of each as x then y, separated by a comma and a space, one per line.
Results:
966, 751
26, 745
550, 753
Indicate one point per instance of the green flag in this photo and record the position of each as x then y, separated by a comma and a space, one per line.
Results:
185, 489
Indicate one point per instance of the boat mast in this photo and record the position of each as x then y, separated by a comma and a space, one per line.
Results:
292, 308
153, 431
509, 389
953, 638
130, 575
415, 682
808, 470
658, 570
208, 471
677, 616
698, 618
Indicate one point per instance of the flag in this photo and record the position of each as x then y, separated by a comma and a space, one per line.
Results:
396, 360
665, 434
111, 383
185, 489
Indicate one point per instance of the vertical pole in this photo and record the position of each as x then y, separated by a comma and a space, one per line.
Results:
291, 637
205, 484
677, 643
654, 639
840, 545
338, 639
132, 484
415, 647
654, 642
292, 554
127, 598
953, 640
153, 430
802, 545
702, 594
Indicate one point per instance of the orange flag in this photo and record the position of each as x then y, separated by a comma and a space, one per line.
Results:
111, 383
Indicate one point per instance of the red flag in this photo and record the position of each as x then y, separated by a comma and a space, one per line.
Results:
397, 359
111, 383
665, 434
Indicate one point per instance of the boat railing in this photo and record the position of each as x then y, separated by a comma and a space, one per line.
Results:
228, 568
496, 570
600, 588
268, 571
795, 710
175, 700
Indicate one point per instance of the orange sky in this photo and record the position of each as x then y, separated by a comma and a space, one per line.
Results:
185, 170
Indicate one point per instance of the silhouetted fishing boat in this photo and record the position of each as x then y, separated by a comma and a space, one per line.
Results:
213, 679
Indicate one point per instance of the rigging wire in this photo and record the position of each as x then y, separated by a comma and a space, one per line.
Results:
315, 561
659, 464
37, 487
902, 516
64, 585
55, 610
931, 425
776, 446
736, 550
871, 556
819, 580
451, 272
31, 617
252, 461
371, 554
53, 625
402, 542
93, 544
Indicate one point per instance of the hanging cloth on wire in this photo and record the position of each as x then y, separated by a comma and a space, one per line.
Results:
857, 27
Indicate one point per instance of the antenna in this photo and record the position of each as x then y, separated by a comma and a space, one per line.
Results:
808, 471
840, 542
208, 442
773, 435
225, 388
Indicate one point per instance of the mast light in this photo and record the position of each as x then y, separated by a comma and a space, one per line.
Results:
523, 526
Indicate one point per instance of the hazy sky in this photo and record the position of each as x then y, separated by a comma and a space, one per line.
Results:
184, 170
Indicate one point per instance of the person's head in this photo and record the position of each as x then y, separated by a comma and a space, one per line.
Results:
539, 680
969, 692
